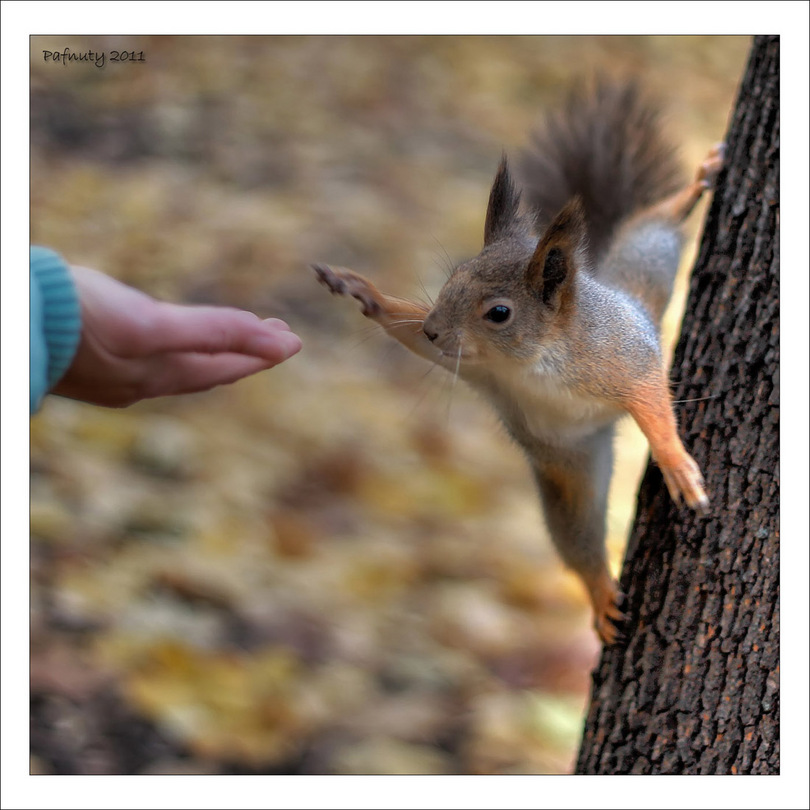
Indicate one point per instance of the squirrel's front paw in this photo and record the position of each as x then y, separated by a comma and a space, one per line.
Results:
346, 282
685, 481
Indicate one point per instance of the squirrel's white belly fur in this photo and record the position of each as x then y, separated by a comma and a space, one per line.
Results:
550, 410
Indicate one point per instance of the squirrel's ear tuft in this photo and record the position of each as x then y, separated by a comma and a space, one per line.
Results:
502, 210
558, 254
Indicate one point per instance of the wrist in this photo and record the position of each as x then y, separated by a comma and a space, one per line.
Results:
55, 318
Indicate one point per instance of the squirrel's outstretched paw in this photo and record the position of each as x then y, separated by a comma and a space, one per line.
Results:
685, 481
345, 282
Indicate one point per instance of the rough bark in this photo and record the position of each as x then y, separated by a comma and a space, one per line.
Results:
694, 688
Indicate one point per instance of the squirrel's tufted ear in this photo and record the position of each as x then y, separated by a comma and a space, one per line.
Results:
502, 210
558, 254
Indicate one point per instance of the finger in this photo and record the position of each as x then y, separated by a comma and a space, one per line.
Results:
277, 342
212, 330
187, 373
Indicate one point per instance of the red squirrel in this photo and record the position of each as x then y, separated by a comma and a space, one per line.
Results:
556, 321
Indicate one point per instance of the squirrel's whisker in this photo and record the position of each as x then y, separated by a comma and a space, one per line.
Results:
694, 399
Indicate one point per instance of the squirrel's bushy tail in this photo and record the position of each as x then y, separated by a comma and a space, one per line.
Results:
606, 145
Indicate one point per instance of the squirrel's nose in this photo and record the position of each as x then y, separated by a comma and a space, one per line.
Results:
430, 334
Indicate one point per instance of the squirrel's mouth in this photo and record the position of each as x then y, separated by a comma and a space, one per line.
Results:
454, 347
459, 355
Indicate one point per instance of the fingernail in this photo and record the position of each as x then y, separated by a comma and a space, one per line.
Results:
278, 342
277, 323
291, 343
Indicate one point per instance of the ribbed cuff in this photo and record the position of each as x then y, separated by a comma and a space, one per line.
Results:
61, 312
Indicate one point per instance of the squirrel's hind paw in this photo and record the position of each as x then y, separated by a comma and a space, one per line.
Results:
605, 625
711, 166
606, 598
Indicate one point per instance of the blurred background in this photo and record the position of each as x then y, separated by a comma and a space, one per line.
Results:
338, 566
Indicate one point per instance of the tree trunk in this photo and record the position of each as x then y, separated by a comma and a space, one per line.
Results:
694, 688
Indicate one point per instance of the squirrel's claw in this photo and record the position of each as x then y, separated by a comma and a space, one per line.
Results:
345, 282
605, 623
711, 166
606, 598
607, 630
685, 481
330, 279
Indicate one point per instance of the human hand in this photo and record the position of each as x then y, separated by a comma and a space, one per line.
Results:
133, 347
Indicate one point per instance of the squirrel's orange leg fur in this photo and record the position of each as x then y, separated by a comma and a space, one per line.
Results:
649, 403
678, 206
650, 406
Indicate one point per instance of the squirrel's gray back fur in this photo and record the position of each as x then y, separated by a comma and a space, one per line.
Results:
606, 145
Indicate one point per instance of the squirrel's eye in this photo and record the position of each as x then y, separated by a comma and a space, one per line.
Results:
498, 314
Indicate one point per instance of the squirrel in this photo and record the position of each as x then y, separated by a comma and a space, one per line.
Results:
556, 321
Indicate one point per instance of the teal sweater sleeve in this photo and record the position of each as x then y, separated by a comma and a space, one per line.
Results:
55, 322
